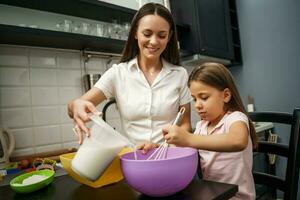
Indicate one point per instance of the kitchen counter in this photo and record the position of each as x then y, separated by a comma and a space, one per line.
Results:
64, 187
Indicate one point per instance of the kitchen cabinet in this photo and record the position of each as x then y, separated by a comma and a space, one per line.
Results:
208, 27
88, 9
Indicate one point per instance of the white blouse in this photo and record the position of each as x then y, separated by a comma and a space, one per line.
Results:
145, 108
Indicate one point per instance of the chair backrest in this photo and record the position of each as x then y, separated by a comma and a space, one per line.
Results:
109, 103
289, 185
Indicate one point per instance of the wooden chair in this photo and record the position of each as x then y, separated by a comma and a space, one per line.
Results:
289, 185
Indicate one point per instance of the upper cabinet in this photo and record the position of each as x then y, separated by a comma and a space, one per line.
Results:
205, 28
80, 10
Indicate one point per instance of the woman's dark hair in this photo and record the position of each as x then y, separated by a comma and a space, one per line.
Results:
218, 76
131, 49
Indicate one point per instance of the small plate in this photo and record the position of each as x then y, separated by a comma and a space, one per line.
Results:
17, 186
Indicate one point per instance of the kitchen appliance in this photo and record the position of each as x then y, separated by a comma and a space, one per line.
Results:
89, 80
7, 145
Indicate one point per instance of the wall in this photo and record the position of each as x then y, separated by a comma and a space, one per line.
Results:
269, 32
35, 86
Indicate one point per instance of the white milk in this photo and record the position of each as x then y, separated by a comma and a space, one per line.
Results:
98, 151
93, 158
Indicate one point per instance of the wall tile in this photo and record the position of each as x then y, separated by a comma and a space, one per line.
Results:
69, 77
23, 152
45, 115
64, 117
44, 96
43, 77
69, 145
68, 60
14, 96
47, 135
97, 64
16, 117
47, 148
12, 56
24, 137
67, 133
14, 76
42, 58
66, 94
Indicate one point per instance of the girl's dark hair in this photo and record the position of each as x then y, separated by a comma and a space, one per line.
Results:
131, 49
218, 76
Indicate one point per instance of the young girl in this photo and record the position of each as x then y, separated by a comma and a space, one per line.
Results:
225, 135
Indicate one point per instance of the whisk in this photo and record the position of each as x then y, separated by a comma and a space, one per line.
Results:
161, 151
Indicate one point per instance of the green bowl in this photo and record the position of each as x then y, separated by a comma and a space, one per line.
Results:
17, 186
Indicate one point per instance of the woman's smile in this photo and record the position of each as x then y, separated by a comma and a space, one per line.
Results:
152, 49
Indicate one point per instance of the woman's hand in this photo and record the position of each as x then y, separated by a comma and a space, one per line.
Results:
176, 135
79, 110
147, 146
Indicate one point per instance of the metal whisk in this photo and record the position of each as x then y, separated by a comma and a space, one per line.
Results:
161, 151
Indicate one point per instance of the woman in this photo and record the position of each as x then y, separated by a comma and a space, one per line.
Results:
148, 85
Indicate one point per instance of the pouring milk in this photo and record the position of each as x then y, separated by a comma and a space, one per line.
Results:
99, 150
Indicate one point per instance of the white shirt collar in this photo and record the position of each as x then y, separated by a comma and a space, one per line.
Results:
166, 65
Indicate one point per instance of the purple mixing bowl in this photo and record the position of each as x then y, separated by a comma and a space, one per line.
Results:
161, 177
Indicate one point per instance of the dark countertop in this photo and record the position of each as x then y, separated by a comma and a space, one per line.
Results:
64, 187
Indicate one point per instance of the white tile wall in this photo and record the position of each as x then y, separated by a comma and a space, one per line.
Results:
53, 147
45, 115
16, 117
44, 96
14, 56
64, 117
42, 58
69, 145
66, 60
47, 135
10, 76
14, 96
43, 77
35, 86
24, 151
24, 137
69, 77
68, 135
66, 94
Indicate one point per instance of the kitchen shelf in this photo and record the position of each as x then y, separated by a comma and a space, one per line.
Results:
46, 38
90, 9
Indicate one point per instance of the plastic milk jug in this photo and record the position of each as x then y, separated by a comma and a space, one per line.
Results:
97, 151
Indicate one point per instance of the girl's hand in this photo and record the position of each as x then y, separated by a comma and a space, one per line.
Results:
147, 146
78, 110
176, 135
